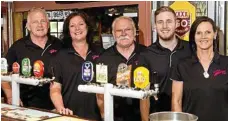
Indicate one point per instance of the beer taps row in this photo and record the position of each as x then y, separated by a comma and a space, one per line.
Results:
123, 84
16, 79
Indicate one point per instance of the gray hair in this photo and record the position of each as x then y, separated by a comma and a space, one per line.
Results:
123, 17
34, 10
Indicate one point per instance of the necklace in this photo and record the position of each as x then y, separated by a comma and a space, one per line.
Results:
205, 73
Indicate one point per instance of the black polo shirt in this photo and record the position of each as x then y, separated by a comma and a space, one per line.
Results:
68, 72
207, 98
34, 96
126, 109
161, 60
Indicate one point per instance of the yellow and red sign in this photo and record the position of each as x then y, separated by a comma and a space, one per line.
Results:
186, 15
16, 68
38, 69
141, 77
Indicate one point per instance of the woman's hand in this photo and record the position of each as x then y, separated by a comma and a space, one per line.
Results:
65, 111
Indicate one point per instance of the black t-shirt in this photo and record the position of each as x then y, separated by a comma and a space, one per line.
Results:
34, 96
161, 60
207, 98
67, 68
126, 109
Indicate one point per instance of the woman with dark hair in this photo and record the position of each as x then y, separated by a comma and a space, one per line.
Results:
66, 36
67, 69
200, 83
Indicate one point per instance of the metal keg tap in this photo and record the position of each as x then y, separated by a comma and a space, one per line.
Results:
154, 92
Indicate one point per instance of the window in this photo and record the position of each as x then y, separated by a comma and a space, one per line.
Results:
56, 28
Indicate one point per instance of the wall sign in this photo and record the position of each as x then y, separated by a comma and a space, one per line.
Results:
186, 14
57, 15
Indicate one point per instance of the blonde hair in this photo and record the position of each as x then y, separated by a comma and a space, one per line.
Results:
123, 17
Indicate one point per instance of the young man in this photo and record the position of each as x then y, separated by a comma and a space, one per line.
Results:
163, 55
125, 50
38, 45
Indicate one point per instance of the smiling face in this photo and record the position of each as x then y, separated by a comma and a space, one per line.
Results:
37, 24
78, 29
204, 36
124, 33
165, 25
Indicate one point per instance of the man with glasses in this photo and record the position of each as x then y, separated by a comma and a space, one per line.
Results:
125, 51
38, 45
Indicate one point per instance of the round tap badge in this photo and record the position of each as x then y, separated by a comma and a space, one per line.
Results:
38, 69
4, 66
16, 68
26, 67
87, 71
101, 73
141, 77
123, 76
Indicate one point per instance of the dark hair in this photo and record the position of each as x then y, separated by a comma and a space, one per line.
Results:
66, 38
194, 26
164, 9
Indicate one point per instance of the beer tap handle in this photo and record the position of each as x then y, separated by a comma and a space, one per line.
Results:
156, 84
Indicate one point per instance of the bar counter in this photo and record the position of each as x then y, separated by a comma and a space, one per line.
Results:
15, 113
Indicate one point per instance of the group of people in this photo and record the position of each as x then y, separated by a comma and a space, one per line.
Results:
192, 76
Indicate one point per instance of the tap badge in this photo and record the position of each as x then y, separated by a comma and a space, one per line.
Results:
123, 76
4, 66
87, 71
38, 69
26, 67
141, 77
16, 68
101, 73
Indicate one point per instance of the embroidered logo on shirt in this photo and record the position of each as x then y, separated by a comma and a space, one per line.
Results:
95, 56
219, 72
136, 62
52, 51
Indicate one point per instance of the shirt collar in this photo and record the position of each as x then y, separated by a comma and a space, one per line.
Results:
136, 49
28, 41
215, 59
71, 50
179, 45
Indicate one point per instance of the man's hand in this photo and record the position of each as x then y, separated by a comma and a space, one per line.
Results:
9, 101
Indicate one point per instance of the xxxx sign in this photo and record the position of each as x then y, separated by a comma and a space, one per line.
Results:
186, 14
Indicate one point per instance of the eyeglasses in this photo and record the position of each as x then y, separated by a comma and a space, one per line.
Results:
127, 30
